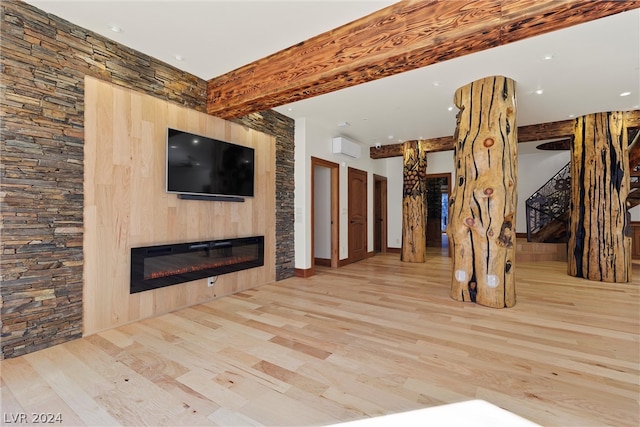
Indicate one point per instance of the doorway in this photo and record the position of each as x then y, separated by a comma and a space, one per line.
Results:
325, 196
438, 190
379, 214
357, 214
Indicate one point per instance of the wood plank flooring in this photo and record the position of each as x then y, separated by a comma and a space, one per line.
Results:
368, 339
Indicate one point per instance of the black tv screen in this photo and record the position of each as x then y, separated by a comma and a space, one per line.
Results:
205, 166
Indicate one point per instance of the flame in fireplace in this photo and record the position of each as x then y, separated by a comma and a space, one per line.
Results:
199, 267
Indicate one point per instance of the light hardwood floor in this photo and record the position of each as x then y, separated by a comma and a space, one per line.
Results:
371, 338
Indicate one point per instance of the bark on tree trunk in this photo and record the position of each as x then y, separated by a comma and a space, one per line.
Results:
599, 230
482, 206
414, 205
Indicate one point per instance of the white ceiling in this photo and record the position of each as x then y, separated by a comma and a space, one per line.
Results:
592, 63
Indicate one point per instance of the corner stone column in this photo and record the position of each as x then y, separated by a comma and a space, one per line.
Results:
482, 206
414, 203
599, 246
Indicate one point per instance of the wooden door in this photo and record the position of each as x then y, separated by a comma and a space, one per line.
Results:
380, 214
357, 214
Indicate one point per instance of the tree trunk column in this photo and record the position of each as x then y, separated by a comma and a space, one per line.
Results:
482, 207
414, 203
599, 235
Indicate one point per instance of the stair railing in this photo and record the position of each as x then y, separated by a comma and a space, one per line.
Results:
549, 202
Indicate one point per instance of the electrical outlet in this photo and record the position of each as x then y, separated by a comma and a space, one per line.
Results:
210, 281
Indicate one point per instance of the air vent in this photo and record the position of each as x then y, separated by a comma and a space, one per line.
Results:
342, 145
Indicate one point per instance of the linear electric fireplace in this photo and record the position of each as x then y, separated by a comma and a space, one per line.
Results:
158, 266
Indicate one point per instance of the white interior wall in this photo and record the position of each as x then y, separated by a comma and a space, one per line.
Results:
311, 141
534, 169
302, 197
322, 212
394, 201
635, 213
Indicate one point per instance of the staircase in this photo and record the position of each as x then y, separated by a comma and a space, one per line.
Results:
633, 199
547, 209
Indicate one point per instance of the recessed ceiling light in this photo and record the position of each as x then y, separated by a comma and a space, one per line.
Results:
115, 28
539, 91
548, 57
290, 109
571, 116
436, 83
625, 94
178, 57
390, 137
344, 124
450, 108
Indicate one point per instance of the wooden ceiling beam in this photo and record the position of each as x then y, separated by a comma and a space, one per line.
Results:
539, 132
402, 37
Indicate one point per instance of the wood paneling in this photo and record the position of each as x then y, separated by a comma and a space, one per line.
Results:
126, 204
402, 37
535, 252
635, 236
372, 338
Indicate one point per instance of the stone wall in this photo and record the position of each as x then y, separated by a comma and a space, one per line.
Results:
43, 61
282, 127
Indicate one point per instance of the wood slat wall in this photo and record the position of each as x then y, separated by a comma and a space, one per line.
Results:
126, 204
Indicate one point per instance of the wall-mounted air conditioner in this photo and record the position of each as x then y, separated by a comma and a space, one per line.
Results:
342, 145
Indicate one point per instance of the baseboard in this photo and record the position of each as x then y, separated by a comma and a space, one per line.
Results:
370, 254
521, 235
394, 250
304, 273
324, 262
343, 262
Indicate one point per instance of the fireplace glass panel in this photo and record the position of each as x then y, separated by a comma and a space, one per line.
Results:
157, 266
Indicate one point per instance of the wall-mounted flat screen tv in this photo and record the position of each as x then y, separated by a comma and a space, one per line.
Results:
201, 166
